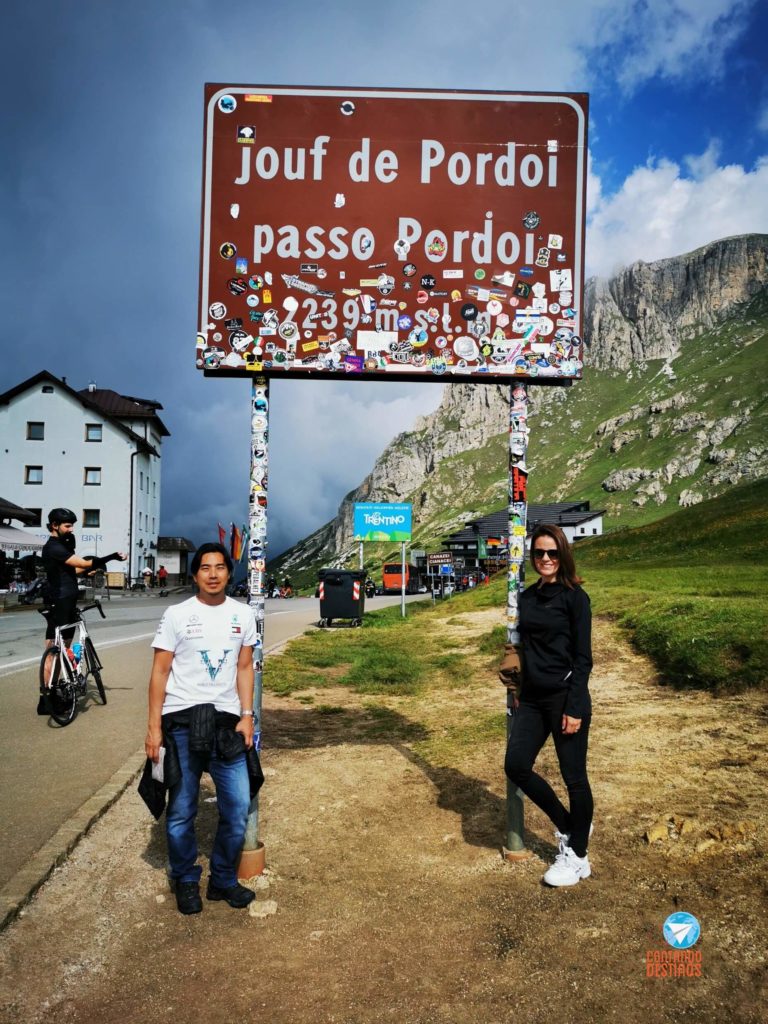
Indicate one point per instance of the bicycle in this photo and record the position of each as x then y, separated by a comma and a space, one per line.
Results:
63, 675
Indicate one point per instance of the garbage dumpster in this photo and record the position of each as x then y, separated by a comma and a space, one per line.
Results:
342, 595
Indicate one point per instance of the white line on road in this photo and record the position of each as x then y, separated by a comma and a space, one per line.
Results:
102, 643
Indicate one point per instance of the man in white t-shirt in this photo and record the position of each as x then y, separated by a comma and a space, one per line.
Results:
200, 697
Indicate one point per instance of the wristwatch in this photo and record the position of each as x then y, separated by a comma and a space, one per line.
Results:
248, 713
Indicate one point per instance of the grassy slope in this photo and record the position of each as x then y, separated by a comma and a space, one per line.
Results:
722, 372
690, 589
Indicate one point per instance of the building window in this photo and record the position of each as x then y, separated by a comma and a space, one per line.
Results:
35, 431
38, 514
141, 481
92, 476
33, 474
153, 524
91, 517
92, 431
594, 530
154, 488
47, 389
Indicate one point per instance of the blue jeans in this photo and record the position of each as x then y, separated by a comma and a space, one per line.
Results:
233, 798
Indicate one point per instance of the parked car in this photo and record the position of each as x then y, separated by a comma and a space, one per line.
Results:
444, 590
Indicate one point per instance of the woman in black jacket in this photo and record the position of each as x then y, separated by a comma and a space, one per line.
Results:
556, 659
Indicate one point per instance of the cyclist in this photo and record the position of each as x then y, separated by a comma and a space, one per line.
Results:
62, 568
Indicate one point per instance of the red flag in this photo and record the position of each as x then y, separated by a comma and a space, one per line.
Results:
222, 535
237, 544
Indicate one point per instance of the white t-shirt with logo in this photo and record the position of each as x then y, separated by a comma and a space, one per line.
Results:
206, 641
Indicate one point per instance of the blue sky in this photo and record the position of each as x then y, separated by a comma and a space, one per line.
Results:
100, 171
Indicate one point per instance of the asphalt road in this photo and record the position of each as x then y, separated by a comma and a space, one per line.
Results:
48, 772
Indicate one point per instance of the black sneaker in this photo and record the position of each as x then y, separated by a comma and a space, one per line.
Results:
236, 895
188, 898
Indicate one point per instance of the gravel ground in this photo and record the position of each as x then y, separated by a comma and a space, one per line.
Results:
386, 897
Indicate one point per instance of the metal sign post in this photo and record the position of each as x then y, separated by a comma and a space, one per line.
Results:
252, 858
402, 579
514, 848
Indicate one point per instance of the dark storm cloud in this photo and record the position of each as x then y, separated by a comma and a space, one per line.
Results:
102, 173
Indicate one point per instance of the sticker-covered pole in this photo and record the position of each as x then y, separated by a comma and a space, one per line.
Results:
252, 857
518, 511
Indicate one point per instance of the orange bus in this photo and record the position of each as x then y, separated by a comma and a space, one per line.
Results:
392, 578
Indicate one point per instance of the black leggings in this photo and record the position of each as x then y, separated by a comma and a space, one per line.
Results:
540, 713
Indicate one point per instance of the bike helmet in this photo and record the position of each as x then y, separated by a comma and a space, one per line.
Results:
61, 515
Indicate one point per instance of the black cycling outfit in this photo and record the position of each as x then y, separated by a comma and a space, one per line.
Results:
556, 636
62, 586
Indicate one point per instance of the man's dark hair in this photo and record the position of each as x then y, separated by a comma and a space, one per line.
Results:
207, 549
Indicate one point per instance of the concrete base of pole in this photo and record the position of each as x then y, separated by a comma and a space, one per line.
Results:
252, 862
515, 855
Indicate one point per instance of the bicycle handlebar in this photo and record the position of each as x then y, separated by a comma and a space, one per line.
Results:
89, 607
96, 604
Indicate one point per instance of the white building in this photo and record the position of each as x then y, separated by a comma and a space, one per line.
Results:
174, 553
94, 451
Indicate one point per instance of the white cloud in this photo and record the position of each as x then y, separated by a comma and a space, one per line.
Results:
671, 39
704, 165
594, 187
660, 212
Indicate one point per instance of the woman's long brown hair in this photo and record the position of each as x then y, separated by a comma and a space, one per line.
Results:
566, 570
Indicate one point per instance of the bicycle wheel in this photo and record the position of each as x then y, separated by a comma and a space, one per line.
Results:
60, 687
93, 668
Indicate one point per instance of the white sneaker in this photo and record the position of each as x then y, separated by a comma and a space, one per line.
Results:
568, 869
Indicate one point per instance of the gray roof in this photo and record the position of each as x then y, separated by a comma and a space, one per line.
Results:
175, 544
145, 407
496, 524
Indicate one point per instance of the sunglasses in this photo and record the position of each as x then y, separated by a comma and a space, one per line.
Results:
551, 553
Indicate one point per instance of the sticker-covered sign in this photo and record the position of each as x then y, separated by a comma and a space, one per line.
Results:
386, 233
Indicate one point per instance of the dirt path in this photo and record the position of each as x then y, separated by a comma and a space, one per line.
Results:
383, 820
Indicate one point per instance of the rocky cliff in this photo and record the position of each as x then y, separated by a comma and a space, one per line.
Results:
672, 409
647, 310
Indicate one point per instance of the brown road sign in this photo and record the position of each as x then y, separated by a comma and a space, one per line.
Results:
383, 234
440, 558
